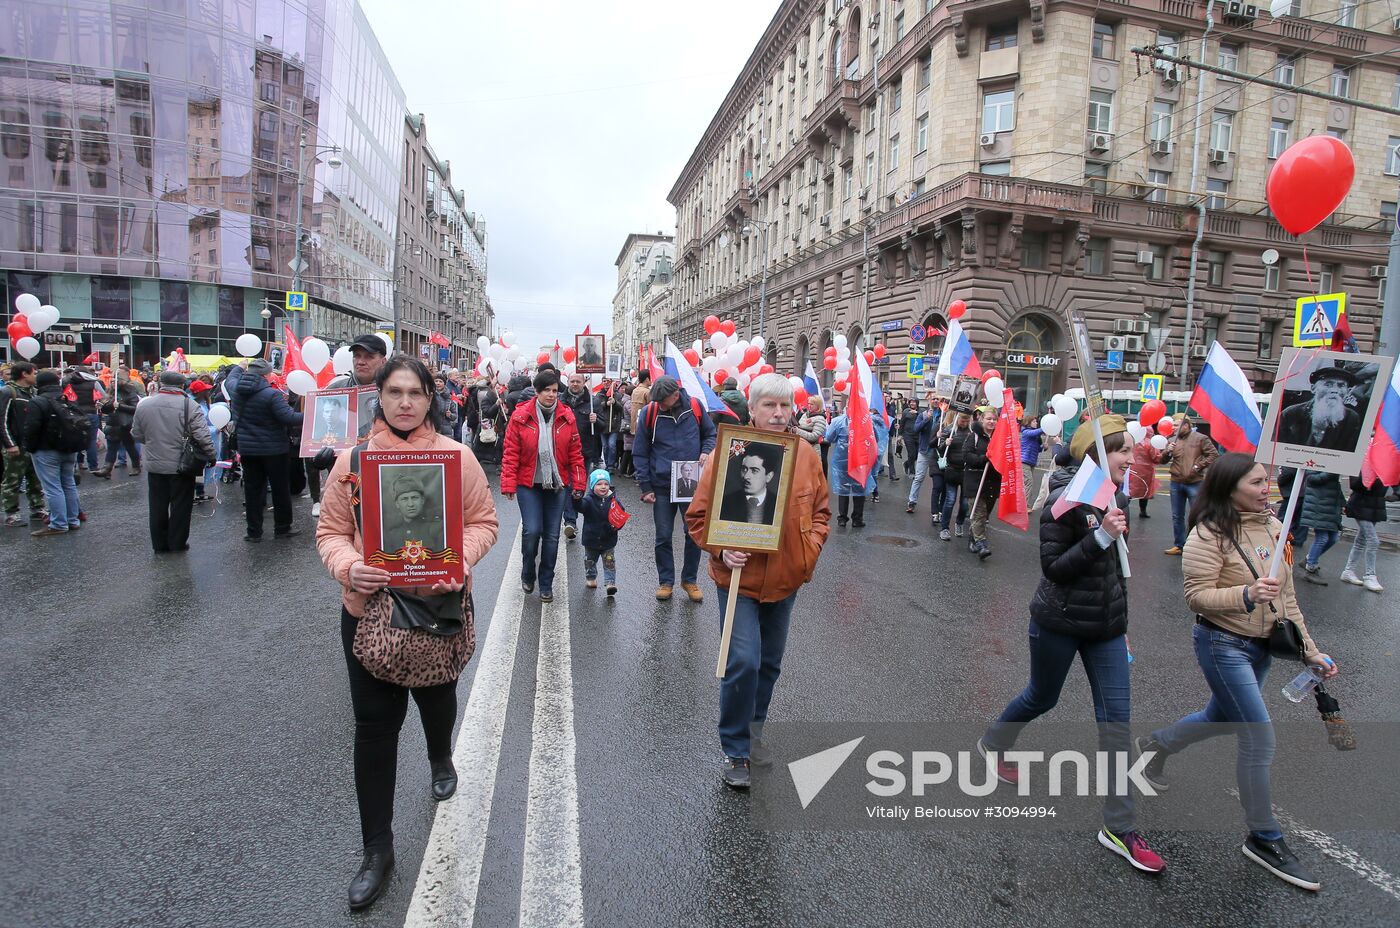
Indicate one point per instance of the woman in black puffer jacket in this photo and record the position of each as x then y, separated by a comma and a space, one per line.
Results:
1080, 609
1367, 507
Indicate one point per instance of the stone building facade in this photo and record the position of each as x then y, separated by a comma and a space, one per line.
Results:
641, 302
900, 154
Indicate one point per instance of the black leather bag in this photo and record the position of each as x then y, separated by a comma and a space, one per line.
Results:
191, 460
437, 615
1285, 638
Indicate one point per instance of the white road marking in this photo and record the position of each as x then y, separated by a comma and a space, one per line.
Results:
450, 876
551, 882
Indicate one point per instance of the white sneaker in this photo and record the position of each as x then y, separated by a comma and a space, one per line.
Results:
1349, 576
958, 530
316, 510
1372, 584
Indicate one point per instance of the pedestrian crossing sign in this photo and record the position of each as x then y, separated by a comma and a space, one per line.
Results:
1316, 319
296, 300
1151, 387
914, 367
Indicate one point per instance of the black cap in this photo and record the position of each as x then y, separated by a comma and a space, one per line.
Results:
370, 343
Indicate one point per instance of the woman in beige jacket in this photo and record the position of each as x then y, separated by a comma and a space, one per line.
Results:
1232, 531
406, 422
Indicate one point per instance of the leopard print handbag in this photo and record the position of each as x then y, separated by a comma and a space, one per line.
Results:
412, 657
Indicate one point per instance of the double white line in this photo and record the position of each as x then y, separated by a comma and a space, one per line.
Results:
551, 886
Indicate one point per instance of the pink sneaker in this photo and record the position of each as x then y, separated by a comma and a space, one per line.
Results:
1006, 773
1130, 845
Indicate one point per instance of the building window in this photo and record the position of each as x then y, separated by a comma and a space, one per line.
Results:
1033, 249
1100, 111
1096, 176
1222, 130
1387, 215
920, 186
1228, 56
1295, 8
1159, 181
1346, 13
925, 71
1273, 276
1340, 134
1268, 334
847, 181
1001, 35
1168, 42
1096, 256
999, 111
899, 26
996, 168
1105, 41
1286, 69
870, 170
1395, 92
1212, 330
1327, 277
1215, 268
1157, 270
1160, 129
922, 134
896, 96
1392, 155
1341, 80
894, 152
1278, 136
1216, 191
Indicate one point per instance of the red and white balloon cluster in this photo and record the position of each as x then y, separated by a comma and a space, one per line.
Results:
839, 358
499, 361
730, 354
1063, 409
31, 318
1153, 413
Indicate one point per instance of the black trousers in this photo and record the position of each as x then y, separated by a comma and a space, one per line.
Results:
171, 500
843, 503
118, 438
380, 709
259, 472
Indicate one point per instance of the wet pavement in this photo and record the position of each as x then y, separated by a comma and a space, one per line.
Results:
179, 741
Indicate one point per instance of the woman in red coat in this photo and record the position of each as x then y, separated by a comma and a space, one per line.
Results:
1142, 476
537, 475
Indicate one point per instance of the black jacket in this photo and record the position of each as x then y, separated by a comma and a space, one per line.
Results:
956, 445
41, 428
1367, 504
597, 533
518, 390
1082, 591
479, 407
120, 413
263, 417
974, 455
590, 433
611, 416
83, 388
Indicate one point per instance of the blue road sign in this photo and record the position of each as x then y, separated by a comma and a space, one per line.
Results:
1114, 362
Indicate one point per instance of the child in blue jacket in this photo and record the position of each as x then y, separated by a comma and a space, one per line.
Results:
599, 536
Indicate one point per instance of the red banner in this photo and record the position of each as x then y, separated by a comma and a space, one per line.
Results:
1004, 454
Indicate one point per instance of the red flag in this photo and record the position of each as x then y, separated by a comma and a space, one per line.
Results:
1342, 339
588, 329
1004, 454
93, 358
656, 369
863, 448
291, 360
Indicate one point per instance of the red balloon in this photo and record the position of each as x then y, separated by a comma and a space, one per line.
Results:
829, 362
956, 309
989, 373
692, 357
799, 397
869, 356
711, 325
830, 351
1165, 427
721, 375
19, 328
1309, 181
569, 354
1151, 412
751, 356
542, 357
766, 369
881, 351
839, 386
728, 327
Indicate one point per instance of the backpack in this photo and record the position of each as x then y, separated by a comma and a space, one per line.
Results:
652, 411
69, 429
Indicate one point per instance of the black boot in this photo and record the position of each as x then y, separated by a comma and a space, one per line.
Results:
444, 779
368, 885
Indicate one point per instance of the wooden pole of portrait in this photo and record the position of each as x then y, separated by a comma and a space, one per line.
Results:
1294, 495
728, 632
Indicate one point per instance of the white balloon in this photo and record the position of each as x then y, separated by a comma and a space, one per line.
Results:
995, 389
482, 343
743, 380
797, 383
1159, 442
840, 342
718, 341
842, 364
26, 303
1050, 403
219, 415
315, 353
734, 356
343, 361
513, 352
508, 339
27, 347
496, 352
248, 345
1138, 431
41, 318
503, 378
1052, 424
388, 342
760, 341
709, 364
1066, 407
698, 346
300, 382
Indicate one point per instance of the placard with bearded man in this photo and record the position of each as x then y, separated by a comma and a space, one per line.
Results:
1323, 409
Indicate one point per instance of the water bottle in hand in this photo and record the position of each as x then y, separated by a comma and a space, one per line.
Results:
1300, 686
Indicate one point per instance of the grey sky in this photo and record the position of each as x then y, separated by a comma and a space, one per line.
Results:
566, 123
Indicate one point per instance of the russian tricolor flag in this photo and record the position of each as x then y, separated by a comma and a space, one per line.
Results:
810, 383
1090, 487
1225, 399
957, 357
1383, 455
678, 367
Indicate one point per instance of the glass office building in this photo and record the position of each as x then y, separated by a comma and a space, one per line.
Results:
150, 167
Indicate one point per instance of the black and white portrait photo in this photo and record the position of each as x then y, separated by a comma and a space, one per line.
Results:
751, 490
752, 482
614, 371
592, 356
1322, 409
685, 479
411, 506
368, 410
332, 418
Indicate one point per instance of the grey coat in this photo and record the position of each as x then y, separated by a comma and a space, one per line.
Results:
159, 424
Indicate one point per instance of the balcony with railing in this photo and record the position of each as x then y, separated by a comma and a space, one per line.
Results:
839, 109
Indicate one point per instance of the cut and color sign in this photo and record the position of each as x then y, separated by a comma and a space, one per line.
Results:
1151, 388
1316, 319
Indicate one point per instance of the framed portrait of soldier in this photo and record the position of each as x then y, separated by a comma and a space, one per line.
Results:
1323, 409
753, 479
685, 479
965, 394
592, 355
277, 356
367, 410
328, 421
614, 371
410, 525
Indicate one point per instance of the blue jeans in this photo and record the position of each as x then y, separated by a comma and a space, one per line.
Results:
921, 468
1106, 665
1235, 669
1362, 559
1322, 541
612, 444
755, 659
950, 493
590, 564
663, 516
539, 519
94, 423
56, 476
1183, 495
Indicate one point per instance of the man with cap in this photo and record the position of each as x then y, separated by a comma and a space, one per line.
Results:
263, 418
734, 399
1190, 454
1325, 420
672, 427
369, 353
160, 425
416, 519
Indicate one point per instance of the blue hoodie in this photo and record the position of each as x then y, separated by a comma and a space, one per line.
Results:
263, 416
663, 437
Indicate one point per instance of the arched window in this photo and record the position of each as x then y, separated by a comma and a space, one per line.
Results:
1032, 333
799, 360
850, 50
1033, 380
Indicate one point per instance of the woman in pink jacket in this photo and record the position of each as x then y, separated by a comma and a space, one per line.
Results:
1142, 475
405, 422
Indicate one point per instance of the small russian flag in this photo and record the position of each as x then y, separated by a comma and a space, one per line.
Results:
957, 357
810, 383
1090, 487
1224, 398
1383, 455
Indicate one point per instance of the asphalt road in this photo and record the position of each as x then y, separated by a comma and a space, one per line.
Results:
178, 748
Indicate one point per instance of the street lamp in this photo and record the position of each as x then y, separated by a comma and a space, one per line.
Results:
334, 162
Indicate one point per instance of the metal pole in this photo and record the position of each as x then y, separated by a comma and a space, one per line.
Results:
1200, 213
763, 287
1388, 336
875, 209
296, 253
